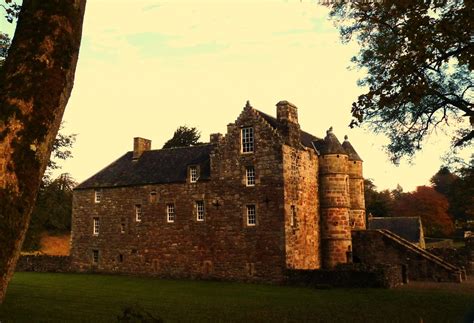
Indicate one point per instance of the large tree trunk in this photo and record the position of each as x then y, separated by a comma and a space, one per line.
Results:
35, 85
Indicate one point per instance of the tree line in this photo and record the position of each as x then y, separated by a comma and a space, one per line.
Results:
449, 200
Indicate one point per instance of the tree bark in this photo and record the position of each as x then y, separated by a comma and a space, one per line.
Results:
35, 85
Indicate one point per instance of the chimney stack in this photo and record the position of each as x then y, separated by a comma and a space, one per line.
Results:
139, 146
287, 112
215, 138
287, 117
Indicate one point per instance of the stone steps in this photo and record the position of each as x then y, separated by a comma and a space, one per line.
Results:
458, 272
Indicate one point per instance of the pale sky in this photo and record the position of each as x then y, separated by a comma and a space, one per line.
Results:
147, 67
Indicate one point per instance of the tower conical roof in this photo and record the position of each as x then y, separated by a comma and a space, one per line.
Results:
329, 145
353, 155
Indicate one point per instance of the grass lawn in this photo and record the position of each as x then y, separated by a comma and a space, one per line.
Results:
38, 297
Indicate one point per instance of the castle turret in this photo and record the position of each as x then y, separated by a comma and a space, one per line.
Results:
336, 243
356, 187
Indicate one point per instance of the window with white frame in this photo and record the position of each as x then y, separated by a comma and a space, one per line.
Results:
251, 215
97, 196
247, 140
138, 213
170, 215
193, 174
293, 216
96, 226
200, 210
250, 176
95, 256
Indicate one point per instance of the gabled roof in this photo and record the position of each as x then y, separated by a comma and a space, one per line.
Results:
153, 167
306, 138
408, 228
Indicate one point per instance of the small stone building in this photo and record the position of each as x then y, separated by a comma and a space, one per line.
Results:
408, 228
263, 198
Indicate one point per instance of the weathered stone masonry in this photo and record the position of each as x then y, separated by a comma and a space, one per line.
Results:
299, 187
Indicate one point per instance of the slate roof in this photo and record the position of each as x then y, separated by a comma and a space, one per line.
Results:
353, 155
153, 167
408, 228
329, 145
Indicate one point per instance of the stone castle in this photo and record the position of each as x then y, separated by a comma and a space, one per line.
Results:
263, 198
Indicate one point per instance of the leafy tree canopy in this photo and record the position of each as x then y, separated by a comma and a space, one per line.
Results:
184, 136
418, 56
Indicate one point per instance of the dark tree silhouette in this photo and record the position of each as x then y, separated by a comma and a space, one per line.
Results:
183, 137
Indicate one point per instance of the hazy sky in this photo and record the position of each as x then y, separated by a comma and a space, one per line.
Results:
147, 67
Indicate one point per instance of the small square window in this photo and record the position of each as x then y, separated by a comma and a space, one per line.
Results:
96, 226
95, 256
247, 140
251, 215
170, 213
138, 213
250, 176
97, 196
200, 210
193, 174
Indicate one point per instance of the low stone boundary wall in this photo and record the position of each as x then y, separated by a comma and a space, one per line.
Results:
348, 276
44, 263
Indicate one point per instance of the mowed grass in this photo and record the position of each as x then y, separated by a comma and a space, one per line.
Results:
40, 297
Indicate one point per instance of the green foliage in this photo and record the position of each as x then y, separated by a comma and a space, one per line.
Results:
377, 203
458, 189
419, 62
184, 136
12, 10
52, 212
101, 298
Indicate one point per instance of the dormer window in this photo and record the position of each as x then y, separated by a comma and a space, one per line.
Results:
97, 196
247, 140
193, 174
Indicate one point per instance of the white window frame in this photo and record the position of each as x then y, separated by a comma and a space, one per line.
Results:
138, 213
193, 174
95, 226
97, 196
200, 211
95, 256
251, 213
247, 140
170, 213
293, 215
250, 176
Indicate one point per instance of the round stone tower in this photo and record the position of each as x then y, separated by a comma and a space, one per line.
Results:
336, 243
356, 187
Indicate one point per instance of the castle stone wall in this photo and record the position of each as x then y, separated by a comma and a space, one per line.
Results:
223, 246
300, 171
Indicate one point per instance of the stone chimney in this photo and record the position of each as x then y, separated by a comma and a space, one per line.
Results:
287, 117
139, 146
215, 138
